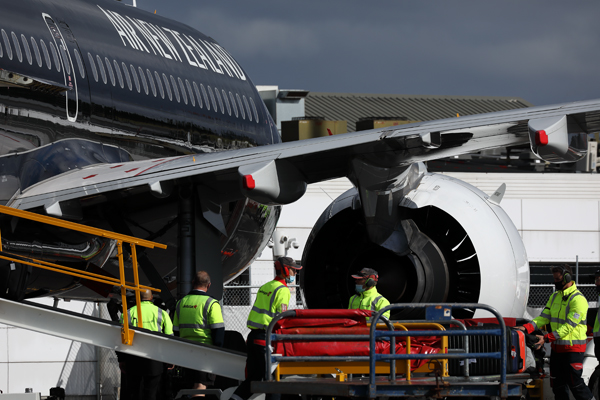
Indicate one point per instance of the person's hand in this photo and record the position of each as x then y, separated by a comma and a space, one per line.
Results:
540, 342
521, 328
171, 367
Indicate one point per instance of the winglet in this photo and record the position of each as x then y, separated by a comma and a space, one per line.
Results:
496, 198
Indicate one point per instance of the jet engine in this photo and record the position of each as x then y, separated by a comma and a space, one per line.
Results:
448, 242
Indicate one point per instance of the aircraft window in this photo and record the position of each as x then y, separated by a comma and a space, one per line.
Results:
36, 50
151, 82
235, 111
254, 109
159, 84
65, 58
197, 94
166, 80
55, 57
226, 100
110, 71
189, 88
205, 97
119, 74
92, 63
241, 106
101, 68
182, 90
7, 44
175, 90
27, 50
79, 63
212, 99
17, 47
247, 109
127, 77
47, 56
220, 100
143, 79
135, 77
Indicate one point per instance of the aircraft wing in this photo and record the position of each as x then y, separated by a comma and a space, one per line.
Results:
278, 174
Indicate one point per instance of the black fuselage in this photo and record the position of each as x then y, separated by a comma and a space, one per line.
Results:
86, 82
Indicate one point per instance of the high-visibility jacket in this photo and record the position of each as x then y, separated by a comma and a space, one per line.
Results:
369, 300
566, 313
153, 318
273, 297
195, 315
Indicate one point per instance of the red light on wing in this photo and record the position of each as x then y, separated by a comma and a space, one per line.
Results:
249, 182
541, 138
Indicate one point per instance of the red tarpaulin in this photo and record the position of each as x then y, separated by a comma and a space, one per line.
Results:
342, 322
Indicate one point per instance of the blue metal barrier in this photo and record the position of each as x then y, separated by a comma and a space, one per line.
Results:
374, 335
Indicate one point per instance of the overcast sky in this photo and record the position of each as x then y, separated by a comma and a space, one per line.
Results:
542, 51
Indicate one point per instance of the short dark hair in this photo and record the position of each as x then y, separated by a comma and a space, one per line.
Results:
201, 279
562, 269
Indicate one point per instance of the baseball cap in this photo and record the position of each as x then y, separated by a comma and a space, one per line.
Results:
289, 262
365, 272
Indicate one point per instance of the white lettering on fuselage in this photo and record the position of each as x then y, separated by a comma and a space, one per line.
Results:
197, 53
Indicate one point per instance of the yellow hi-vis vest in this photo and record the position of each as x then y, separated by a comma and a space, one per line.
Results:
273, 297
196, 315
369, 300
153, 318
566, 312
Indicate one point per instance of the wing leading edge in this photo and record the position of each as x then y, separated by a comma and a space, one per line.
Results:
278, 174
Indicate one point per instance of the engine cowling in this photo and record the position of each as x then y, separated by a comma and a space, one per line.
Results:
463, 248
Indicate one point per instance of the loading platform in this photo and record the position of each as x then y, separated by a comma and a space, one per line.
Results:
102, 333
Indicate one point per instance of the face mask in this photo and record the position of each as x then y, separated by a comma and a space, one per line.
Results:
559, 285
290, 279
359, 288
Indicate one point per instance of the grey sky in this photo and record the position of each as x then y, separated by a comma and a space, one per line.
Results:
543, 51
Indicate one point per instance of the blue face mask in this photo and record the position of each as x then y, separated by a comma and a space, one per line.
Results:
290, 279
359, 288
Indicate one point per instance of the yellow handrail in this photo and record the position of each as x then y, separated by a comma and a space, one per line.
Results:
126, 333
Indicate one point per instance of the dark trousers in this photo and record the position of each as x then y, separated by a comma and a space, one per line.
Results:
565, 374
255, 364
142, 387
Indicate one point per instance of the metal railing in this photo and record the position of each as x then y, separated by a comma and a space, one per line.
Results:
373, 357
126, 333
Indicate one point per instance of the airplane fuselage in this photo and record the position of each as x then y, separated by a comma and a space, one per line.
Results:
93, 82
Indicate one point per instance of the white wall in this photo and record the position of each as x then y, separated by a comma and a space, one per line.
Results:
38, 361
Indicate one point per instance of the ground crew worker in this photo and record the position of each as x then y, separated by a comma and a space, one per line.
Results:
596, 329
143, 375
272, 298
565, 313
198, 317
367, 297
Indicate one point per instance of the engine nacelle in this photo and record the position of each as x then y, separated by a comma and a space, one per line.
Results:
463, 248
